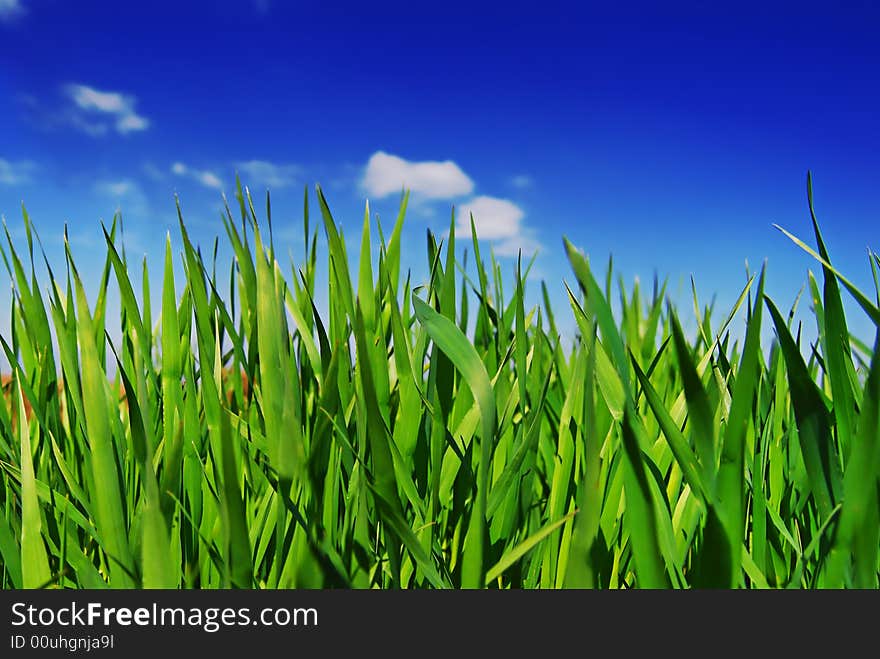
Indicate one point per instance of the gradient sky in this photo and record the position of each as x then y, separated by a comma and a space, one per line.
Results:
671, 136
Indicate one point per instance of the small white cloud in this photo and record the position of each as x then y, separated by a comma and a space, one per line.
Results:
209, 179
268, 174
204, 176
499, 221
494, 218
89, 98
16, 173
522, 181
386, 174
91, 103
262, 6
10, 9
131, 122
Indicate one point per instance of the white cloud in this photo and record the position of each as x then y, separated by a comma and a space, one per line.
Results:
268, 174
89, 98
15, 173
522, 181
499, 221
386, 174
10, 9
494, 218
204, 176
131, 122
91, 103
209, 180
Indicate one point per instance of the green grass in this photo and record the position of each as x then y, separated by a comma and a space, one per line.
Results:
429, 436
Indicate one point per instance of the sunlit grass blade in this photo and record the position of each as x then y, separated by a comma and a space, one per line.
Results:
34, 566
700, 414
111, 522
730, 492
869, 307
461, 352
836, 338
524, 547
858, 535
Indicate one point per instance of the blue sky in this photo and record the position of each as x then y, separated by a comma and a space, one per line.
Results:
672, 137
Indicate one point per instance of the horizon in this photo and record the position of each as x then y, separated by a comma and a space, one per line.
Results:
670, 141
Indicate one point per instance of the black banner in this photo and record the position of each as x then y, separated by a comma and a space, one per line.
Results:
416, 622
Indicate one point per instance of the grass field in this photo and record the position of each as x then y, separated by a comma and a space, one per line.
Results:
426, 436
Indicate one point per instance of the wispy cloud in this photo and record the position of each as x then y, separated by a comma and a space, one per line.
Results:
115, 188
96, 112
126, 193
262, 6
386, 174
204, 176
522, 181
15, 173
10, 10
153, 172
86, 109
269, 174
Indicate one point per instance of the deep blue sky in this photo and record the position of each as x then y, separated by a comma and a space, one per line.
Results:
671, 136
